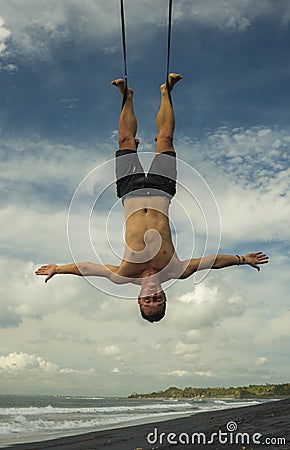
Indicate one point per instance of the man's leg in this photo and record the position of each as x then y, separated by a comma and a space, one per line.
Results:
127, 121
165, 117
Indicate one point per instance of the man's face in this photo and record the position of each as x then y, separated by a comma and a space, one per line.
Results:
153, 303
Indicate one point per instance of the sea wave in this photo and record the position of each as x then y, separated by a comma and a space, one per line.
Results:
233, 402
22, 425
76, 415
32, 410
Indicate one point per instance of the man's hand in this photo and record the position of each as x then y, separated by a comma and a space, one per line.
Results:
254, 259
49, 269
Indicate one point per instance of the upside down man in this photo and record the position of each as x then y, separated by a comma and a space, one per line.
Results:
149, 258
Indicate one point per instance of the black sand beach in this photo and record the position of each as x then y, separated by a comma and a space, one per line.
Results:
265, 423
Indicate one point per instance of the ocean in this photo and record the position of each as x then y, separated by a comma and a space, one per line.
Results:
30, 418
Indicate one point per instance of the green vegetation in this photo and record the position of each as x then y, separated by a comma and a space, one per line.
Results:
252, 391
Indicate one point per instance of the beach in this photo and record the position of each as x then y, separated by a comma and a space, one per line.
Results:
263, 426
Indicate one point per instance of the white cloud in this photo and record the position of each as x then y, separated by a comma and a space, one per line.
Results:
65, 169
109, 350
277, 333
248, 170
17, 362
17, 365
5, 36
206, 305
194, 336
186, 349
81, 341
38, 30
23, 295
232, 14
261, 360
178, 373
203, 374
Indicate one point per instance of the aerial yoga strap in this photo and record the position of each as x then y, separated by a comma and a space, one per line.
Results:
125, 51
168, 49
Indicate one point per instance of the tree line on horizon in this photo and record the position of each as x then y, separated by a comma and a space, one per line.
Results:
251, 391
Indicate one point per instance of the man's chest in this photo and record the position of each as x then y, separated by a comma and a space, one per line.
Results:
165, 263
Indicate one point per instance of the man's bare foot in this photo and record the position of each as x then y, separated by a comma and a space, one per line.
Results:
121, 85
173, 78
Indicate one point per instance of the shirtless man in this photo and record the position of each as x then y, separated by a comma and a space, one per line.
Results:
149, 258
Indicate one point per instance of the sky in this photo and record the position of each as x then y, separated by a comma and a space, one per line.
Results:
58, 122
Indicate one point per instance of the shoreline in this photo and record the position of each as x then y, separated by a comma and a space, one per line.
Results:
33, 439
269, 420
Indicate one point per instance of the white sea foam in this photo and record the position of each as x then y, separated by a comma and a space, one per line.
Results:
21, 426
72, 415
31, 411
232, 402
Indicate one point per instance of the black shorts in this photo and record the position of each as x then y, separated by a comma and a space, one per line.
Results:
160, 180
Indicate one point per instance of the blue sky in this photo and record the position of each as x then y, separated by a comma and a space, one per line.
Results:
58, 121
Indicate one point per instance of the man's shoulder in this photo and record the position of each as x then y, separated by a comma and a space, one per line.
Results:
184, 269
176, 269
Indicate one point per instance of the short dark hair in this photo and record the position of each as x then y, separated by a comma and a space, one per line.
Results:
153, 317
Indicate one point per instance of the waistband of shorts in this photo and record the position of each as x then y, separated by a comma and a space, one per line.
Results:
124, 152
146, 192
128, 152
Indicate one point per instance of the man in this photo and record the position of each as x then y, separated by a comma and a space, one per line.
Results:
149, 258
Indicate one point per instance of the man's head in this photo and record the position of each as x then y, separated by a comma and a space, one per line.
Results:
152, 306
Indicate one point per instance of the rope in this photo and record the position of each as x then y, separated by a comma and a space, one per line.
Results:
124, 52
168, 48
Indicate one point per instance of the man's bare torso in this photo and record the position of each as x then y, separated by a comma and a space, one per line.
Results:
149, 245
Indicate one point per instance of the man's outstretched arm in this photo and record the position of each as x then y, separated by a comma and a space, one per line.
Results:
83, 269
220, 261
